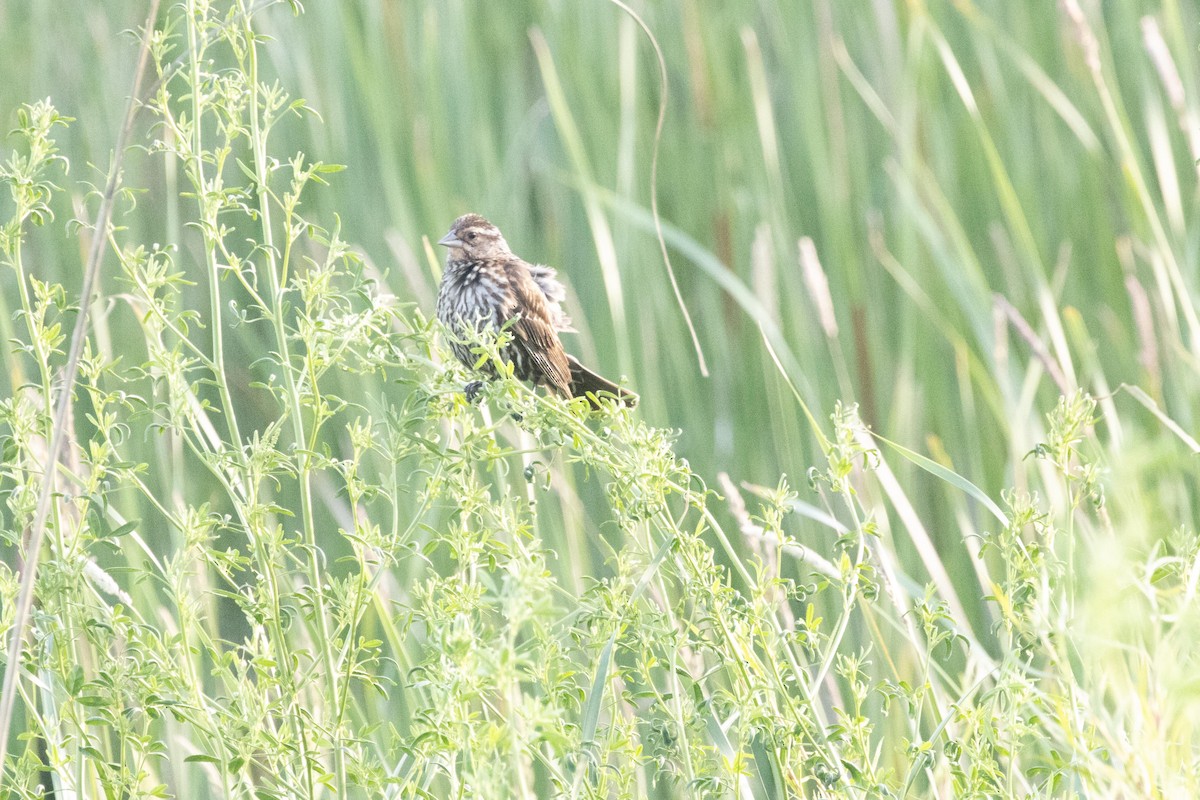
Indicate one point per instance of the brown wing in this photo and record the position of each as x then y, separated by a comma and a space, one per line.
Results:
555, 293
534, 333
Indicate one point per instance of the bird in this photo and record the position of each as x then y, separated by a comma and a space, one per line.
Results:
485, 286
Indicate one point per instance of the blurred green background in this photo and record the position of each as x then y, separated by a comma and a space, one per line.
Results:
939, 155
947, 213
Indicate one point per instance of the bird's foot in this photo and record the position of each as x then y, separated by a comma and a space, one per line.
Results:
472, 389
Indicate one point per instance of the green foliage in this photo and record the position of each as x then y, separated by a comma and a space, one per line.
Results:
287, 557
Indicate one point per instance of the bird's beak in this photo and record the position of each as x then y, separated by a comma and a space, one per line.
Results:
450, 240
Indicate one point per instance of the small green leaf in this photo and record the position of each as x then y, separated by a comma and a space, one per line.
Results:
202, 759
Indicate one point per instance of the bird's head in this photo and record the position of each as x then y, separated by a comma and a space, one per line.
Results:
476, 238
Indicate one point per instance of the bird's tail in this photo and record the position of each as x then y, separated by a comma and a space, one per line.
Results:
585, 383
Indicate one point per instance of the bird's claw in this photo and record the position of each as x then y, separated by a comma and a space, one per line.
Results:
471, 390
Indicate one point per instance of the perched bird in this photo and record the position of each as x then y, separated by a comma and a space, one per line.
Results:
485, 285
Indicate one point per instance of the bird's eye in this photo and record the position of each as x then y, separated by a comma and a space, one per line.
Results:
471, 236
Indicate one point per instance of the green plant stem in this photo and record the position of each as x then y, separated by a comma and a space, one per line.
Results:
58, 435
306, 444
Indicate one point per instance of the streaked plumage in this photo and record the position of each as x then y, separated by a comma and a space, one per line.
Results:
485, 285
